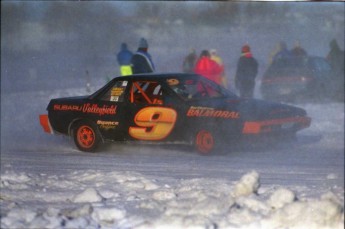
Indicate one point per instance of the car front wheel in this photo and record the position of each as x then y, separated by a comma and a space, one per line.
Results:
86, 136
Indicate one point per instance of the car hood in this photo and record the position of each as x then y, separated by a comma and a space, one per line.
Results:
262, 110
255, 109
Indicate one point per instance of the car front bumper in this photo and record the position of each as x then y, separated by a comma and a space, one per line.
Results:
276, 125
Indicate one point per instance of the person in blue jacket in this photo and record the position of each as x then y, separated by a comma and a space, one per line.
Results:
283, 52
141, 60
124, 58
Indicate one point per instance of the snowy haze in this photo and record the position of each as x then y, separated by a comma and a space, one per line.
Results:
44, 42
46, 51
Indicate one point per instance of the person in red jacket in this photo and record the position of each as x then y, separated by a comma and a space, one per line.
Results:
208, 68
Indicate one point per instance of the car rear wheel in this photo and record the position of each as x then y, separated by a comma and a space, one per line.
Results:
86, 136
204, 142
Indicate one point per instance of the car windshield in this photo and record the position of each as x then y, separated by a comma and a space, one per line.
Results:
193, 88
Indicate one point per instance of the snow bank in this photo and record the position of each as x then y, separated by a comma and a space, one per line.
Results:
248, 184
95, 199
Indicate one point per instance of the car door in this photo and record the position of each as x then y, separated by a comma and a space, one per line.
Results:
149, 117
113, 126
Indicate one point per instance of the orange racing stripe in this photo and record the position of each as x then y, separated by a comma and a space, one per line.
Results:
264, 126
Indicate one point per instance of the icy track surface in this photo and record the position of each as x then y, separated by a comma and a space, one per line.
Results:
47, 183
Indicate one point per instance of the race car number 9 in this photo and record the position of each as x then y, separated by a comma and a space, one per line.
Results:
154, 123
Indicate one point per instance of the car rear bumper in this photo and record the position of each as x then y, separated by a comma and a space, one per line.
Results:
44, 121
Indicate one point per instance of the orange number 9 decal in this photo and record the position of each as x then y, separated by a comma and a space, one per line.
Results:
155, 123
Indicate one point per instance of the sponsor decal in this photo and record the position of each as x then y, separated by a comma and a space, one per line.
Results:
114, 98
58, 107
107, 124
88, 108
95, 109
116, 94
117, 91
211, 112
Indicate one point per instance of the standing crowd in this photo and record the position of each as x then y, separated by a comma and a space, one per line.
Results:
210, 65
139, 62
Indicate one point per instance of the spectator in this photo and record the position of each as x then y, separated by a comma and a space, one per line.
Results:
208, 68
273, 53
283, 52
247, 69
124, 60
336, 60
215, 57
141, 60
298, 51
189, 62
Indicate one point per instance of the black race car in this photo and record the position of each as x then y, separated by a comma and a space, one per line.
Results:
297, 78
167, 108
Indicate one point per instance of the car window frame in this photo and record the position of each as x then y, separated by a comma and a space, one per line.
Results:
224, 92
103, 90
143, 91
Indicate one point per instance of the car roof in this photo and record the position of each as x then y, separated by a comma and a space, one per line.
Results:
145, 76
156, 76
296, 60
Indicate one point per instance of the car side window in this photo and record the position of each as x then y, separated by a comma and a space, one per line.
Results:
146, 92
116, 92
195, 88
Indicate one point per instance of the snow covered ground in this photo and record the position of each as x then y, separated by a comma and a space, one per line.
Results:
47, 183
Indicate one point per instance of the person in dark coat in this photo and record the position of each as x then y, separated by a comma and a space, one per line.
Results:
189, 62
298, 51
141, 60
336, 59
247, 69
124, 58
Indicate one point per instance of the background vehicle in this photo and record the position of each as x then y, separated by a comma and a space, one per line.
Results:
295, 78
170, 108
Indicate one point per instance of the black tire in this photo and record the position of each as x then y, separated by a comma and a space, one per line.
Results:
86, 136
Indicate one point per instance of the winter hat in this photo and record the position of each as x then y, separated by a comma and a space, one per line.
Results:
205, 53
213, 51
143, 43
245, 49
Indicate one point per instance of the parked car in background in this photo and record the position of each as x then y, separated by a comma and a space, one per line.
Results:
298, 78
